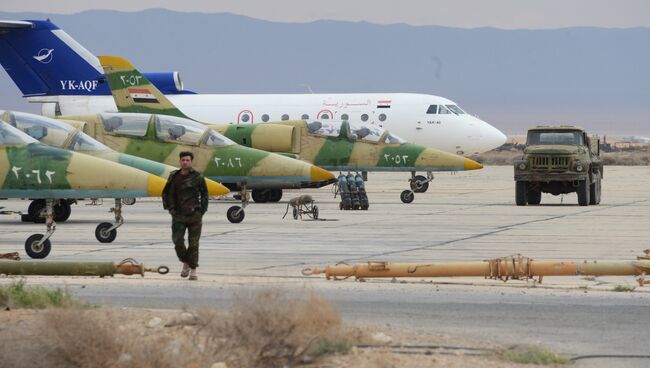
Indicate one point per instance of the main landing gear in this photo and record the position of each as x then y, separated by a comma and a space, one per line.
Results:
235, 214
106, 232
418, 184
38, 245
266, 195
36, 211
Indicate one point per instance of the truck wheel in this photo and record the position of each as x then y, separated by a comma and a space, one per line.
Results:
520, 193
583, 192
594, 193
534, 197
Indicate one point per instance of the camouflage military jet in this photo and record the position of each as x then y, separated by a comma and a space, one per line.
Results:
59, 134
332, 145
160, 138
30, 169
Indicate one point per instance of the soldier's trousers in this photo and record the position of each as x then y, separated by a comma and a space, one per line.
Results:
192, 224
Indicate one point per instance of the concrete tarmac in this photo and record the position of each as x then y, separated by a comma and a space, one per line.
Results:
463, 217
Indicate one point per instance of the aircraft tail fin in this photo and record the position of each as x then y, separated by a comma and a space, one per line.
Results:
132, 91
44, 60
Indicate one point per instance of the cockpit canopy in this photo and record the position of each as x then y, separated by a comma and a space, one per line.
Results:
52, 132
445, 109
10, 136
371, 133
555, 137
168, 129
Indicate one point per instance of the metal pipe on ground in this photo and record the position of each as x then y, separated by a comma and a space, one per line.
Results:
67, 268
512, 267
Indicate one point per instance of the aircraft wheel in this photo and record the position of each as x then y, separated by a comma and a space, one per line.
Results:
34, 250
62, 211
103, 235
235, 214
419, 184
260, 195
314, 211
407, 196
295, 213
275, 195
129, 201
36, 209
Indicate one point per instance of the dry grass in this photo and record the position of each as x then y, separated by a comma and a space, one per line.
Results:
261, 329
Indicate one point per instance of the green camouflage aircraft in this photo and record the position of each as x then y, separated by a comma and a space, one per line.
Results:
332, 145
30, 169
161, 138
57, 133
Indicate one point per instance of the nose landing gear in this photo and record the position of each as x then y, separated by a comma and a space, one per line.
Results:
418, 184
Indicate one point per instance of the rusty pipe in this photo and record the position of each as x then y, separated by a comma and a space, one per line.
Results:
67, 268
512, 267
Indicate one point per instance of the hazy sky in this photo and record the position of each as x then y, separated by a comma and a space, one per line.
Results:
507, 14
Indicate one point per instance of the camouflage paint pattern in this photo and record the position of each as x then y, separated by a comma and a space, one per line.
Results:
345, 153
30, 169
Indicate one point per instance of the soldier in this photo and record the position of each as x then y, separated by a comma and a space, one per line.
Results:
186, 198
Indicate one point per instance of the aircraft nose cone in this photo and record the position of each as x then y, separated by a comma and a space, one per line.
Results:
471, 164
318, 174
215, 189
493, 137
155, 185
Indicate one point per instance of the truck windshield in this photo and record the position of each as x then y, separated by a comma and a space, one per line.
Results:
554, 137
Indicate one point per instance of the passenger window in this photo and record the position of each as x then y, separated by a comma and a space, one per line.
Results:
265, 118
285, 117
382, 117
364, 117
324, 116
345, 117
245, 118
304, 117
433, 109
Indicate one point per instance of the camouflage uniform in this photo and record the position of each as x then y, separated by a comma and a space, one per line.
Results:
186, 199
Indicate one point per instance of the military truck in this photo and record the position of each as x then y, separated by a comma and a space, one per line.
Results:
558, 160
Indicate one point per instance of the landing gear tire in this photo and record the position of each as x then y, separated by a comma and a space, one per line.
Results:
35, 212
520, 193
62, 211
594, 193
534, 197
129, 201
235, 214
583, 192
34, 250
419, 184
314, 212
102, 233
407, 196
275, 195
260, 195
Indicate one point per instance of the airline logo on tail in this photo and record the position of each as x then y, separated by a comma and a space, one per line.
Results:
44, 56
142, 95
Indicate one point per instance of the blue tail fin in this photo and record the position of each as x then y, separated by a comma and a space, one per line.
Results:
43, 60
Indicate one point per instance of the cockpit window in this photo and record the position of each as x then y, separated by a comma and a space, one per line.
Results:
328, 128
554, 137
455, 109
171, 128
44, 129
393, 139
83, 143
443, 110
126, 124
214, 139
433, 109
10, 136
367, 132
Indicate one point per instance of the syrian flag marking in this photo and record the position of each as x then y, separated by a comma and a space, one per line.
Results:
384, 104
142, 95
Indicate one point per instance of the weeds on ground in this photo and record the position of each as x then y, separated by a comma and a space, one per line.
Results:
624, 288
18, 295
525, 354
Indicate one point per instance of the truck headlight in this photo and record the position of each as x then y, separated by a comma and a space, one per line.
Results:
579, 167
522, 166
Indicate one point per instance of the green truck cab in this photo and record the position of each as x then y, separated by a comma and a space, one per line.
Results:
558, 160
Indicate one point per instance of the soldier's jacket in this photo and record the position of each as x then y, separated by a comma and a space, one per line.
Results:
189, 198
